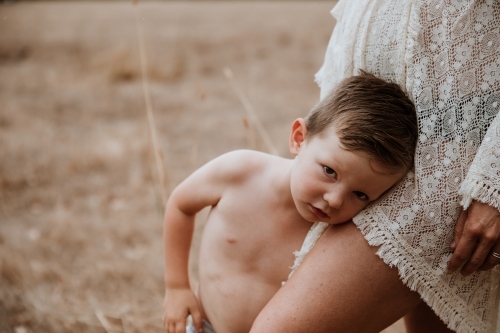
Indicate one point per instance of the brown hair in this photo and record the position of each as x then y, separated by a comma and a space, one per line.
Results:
372, 116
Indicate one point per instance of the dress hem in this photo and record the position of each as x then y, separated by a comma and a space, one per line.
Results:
412, 277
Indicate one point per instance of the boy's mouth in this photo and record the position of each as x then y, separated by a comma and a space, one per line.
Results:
318, 212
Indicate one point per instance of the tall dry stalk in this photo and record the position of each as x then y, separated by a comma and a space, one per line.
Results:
108, 327
251, 112
250, 134
158, 153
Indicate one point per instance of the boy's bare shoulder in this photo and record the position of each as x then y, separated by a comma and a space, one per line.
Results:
240, 165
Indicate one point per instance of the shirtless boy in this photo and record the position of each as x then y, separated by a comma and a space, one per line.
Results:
351, 149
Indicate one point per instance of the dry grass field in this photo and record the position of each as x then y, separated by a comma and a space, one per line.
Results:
80, 197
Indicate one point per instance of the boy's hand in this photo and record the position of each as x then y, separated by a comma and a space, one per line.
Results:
178, 304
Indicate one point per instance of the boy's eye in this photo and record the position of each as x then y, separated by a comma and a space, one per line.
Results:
361, 195
330, 172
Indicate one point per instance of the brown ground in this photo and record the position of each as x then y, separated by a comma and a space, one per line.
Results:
80, 205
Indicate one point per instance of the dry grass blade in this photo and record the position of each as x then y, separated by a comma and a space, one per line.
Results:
149, 109
107, 325
250, 134
250, 111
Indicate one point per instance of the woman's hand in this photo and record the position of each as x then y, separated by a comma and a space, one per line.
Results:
477, 236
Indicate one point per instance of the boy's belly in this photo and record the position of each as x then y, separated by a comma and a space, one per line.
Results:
231, 302
242, 263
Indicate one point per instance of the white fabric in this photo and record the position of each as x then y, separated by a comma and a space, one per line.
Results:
190, 328
317, 229
446, 55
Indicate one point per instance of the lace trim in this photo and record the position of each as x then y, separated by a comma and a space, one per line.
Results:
392, 253
312, 237
478, 188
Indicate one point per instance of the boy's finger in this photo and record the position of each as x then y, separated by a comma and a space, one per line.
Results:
180, 327
197, 320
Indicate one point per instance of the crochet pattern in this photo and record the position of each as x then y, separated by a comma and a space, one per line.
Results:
446, 55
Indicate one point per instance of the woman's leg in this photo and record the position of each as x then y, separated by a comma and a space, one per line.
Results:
342, 286
423, 319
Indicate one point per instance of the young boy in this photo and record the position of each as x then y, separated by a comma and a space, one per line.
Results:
351, 148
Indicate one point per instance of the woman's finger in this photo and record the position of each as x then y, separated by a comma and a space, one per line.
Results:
478, 257
482, 221
465, 246
459, 229
474, 238
492, 259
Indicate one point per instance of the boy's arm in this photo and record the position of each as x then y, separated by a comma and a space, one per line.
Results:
203, 188
180, 300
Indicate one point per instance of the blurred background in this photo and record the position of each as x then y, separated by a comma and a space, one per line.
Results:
81, 196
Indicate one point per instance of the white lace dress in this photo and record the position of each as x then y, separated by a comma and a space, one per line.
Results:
446, 54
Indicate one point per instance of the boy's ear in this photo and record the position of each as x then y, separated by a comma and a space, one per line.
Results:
297, 136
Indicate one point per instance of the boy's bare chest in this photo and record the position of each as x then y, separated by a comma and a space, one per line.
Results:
255, 234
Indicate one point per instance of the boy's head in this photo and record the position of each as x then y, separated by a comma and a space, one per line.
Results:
351, 148
370, 116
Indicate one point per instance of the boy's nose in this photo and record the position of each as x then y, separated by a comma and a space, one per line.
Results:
335, 199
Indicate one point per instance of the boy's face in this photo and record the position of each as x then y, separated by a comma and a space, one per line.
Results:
331, 184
